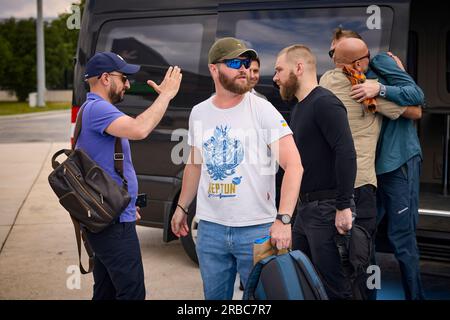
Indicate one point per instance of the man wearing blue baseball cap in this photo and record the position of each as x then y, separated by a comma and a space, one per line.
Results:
118, 270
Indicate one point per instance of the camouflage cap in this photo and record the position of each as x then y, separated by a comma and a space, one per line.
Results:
229, 48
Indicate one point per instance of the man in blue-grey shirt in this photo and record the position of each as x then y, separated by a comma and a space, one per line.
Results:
398, 162
118, 270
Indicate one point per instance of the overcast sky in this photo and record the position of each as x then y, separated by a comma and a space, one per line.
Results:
27, 8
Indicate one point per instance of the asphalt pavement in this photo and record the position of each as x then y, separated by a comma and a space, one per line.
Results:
35, 127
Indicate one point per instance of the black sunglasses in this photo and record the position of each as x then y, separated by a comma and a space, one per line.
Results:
331, 53
366, 56
124, 77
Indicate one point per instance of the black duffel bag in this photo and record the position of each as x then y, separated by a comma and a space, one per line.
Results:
90, 195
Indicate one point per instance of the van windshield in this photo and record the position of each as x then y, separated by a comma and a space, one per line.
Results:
269, 31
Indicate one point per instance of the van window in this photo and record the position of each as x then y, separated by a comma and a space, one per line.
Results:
269, 31
156, 44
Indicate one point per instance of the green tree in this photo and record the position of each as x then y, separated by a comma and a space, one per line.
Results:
6, 56
19, 75
18, 54
60, 50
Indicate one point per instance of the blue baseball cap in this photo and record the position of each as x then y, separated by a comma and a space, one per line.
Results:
108, 62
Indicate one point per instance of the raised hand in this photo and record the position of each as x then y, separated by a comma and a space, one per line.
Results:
170, 84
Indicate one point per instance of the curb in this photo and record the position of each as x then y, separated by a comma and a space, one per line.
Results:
34, 114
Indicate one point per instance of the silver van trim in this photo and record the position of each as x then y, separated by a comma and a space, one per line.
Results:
438, 213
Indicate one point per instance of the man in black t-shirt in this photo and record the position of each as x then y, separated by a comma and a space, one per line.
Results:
322, 134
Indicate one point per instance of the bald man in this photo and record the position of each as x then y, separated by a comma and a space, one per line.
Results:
365, 127
322, 134
118, 271
398, 160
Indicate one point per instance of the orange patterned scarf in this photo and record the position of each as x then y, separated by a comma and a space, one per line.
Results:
357, 77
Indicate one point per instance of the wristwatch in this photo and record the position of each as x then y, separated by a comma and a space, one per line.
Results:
285, 218
382, 91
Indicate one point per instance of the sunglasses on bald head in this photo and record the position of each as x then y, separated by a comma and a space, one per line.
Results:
366, 56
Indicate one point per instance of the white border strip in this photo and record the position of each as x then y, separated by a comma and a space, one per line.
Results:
439, 213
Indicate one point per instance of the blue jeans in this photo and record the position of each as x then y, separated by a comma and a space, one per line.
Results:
398, 197
222, 252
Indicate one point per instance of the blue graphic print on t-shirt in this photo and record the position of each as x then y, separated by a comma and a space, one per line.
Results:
222, 155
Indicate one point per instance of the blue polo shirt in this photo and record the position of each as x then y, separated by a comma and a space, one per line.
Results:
98, 114
398, 141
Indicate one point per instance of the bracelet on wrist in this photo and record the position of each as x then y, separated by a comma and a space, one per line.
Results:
184, 210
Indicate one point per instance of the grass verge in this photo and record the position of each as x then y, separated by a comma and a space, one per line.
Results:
8, 108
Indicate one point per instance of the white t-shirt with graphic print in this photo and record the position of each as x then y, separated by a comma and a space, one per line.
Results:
237, 183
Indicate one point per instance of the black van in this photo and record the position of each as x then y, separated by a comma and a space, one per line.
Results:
156, 34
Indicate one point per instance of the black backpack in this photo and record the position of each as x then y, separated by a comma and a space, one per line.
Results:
355, 251
90, 195
289, 276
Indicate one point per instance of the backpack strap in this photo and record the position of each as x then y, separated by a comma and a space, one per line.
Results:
310, 273
253, 278
118, 161
81, 234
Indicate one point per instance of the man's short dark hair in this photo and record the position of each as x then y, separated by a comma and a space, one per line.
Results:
257, 60
344, 33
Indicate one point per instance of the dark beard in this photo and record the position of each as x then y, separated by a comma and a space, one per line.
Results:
232, 86
114, 96
288, 90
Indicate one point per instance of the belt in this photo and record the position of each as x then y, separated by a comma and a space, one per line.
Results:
318, 195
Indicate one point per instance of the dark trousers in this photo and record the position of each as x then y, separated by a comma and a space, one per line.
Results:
398, 198
366, 217
366, 208
118, 270
313, 233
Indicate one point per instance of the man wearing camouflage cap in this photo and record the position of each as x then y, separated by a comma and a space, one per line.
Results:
230, 135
